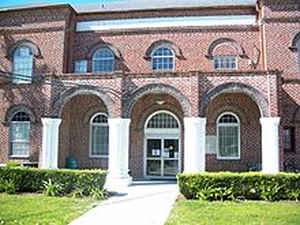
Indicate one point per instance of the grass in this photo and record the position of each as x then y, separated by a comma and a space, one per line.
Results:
191, 212
34, 209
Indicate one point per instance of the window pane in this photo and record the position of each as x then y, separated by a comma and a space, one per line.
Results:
22, 65
99, 140
103, 60
225, 62
20, 138
163, 59
228, 141
80, 66
162, 120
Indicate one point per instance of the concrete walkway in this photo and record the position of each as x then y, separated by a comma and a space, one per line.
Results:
143, 203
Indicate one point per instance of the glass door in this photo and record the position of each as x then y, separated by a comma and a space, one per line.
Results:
162, 157
170, 157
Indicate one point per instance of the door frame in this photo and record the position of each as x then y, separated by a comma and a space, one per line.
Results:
161, 133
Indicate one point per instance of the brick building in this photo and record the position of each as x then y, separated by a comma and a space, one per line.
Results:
152, 88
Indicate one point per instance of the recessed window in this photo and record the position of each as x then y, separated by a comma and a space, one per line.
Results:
225, 62
20, 135
22, 65
103, 60
99, 136
162, 59
228, 134
80, 66
289, 139
163, 120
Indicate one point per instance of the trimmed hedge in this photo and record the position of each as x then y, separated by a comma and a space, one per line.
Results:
231, 186
32, 179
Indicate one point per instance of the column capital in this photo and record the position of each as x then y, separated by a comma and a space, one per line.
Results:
269, 120
115, 121
51, 121
195, 120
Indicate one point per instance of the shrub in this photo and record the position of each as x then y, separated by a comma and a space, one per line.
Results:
51, 188
28, 179
252, 185
12, 163
9, 187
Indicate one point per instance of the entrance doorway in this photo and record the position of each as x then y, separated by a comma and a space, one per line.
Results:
162, 145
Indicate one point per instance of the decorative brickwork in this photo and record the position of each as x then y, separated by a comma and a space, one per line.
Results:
265, 83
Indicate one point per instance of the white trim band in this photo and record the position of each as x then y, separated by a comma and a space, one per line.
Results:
183, 21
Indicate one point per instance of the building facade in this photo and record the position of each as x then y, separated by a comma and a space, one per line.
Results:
150, 90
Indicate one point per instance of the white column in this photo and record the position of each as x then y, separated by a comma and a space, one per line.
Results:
194, 144
118, 177
270, 144
50, 143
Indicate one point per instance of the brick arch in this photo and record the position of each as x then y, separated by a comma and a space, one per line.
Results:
95, 47
157, 88
177, 51
222, 41
70, 93
35, 49
19, 108
253, 93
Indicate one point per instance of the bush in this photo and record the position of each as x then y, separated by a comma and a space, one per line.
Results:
52, 189
252, 185
9, 187
12, 163
27, 179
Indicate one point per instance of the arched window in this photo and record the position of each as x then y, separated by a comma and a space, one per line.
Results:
228, 134
162, 120
22, 64
103, 60
162, 59
20, 135
99, 136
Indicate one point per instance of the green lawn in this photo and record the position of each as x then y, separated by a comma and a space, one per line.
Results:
33, 209
189, 212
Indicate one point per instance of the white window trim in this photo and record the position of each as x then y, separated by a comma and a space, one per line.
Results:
164, 133
163, 70
103, 58
10, 140
239, 136
91, 136
226, 69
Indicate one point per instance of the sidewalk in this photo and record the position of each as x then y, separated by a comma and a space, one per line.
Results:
143, 203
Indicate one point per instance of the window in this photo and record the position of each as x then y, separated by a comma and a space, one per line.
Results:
162, 59
103, 60
162, 120
289, 139
225, 62
80, 66
228, 134
99, 136
20, 135
298, 50
22, 65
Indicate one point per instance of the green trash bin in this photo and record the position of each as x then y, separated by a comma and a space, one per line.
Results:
72, 163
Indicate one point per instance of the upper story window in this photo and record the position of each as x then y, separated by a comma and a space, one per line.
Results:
22, 65
103, 60
225, 62
228, 136
162, 59
99, 136
80, 66
20, 135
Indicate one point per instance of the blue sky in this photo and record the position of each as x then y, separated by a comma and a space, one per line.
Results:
5, 3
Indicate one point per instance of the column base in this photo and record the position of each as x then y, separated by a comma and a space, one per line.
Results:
117, 184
